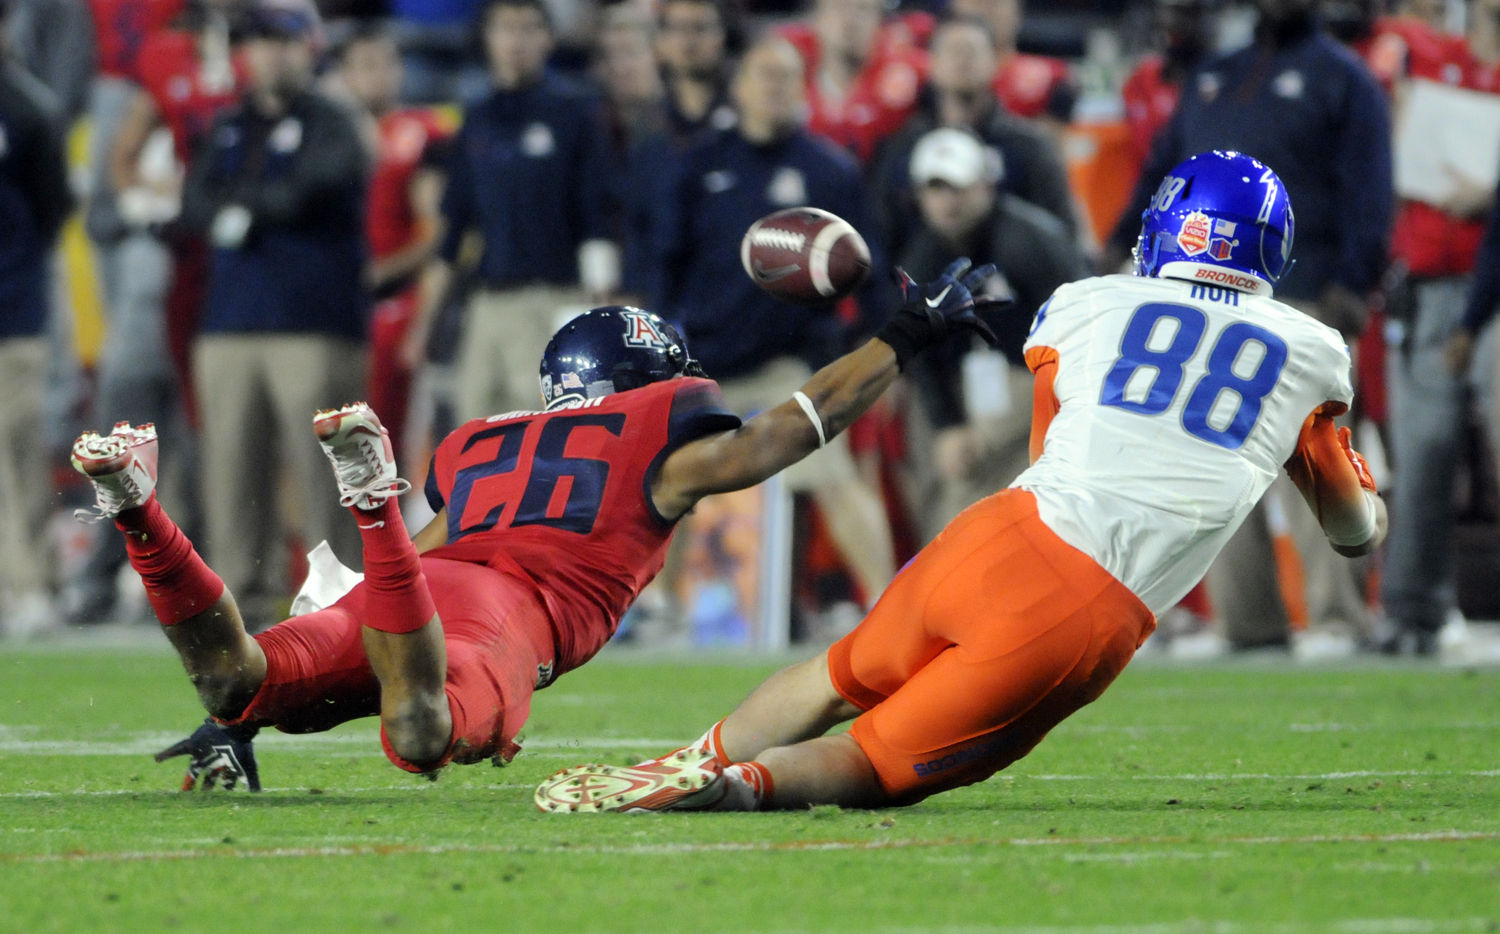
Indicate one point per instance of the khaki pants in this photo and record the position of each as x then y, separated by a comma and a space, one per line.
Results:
851, 506
257, 395
1001, 445
24, 484
505, 332
1242, 581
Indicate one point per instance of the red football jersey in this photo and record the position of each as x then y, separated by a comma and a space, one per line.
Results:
1025, 84
121, 28
1429, 240
404, 138
1149, 102
561, 496
188, 94
877, 103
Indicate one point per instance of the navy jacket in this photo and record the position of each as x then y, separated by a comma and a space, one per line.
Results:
722, 185
303, 178
531, 171
1312, 112
1484, 294
34, 199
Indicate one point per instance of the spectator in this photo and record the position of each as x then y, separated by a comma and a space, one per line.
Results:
1479, 314
34, 201
1306, 107
402, 221
861, 79
279, 187
692, 47
625, 65
188, 75
694, 40
1031, 86
1433, 250
979, 401
54, 40
958, 95
1180, 33
531, 172
760, 350
153, 281
437, 50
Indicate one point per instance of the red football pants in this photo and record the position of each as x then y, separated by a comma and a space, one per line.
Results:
500, 646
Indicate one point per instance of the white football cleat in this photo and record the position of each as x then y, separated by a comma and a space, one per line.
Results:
121, 465
689, 780
359, 448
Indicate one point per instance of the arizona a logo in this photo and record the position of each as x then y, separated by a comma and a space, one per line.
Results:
641, 331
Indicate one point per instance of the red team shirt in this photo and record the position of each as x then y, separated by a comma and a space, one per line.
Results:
121, 28
1430, 241
1025, 84
188, 95
882, 96
561, 497
1149, 102
404, 138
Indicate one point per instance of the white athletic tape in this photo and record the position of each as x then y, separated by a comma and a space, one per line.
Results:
812, 415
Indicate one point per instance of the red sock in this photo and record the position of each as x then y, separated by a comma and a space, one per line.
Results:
396, 591
178, 584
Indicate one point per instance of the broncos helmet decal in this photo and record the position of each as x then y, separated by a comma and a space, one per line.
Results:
1221, 218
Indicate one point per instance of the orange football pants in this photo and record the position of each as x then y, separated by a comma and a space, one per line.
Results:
995, 633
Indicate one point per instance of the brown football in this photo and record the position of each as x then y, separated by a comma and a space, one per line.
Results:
805, 255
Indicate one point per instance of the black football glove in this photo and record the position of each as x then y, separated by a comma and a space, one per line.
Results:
929, 312
219, 755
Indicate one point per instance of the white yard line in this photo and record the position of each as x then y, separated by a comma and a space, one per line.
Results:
1346, 926
670, 849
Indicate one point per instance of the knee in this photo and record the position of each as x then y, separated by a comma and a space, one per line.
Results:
419, 730
833, 706
226, 692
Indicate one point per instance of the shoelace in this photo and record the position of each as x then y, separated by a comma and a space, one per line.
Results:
112, 492
360, 476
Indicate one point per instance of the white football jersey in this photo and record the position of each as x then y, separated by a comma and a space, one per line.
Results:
1179, 403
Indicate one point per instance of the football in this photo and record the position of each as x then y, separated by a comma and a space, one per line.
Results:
805, 255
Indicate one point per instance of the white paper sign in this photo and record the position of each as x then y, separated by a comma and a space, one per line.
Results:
1445, 134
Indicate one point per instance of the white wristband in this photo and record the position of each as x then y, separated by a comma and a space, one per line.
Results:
1355, 533
812, 415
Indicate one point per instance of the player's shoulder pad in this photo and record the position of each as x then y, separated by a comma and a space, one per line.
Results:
698, 409
1065, 308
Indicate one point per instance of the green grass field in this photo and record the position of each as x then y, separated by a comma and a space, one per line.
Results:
1224, 798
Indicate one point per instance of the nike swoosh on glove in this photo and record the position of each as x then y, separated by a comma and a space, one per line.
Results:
951, 296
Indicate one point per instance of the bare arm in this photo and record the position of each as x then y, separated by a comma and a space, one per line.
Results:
778, 437
425, 195
140, 120
434, 534
432, 291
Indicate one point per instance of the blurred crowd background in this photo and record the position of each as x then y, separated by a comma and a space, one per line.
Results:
220, 215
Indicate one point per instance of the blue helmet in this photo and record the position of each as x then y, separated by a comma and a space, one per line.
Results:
1221, 218
612, 349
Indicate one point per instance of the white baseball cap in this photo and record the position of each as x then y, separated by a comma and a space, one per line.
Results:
956, 157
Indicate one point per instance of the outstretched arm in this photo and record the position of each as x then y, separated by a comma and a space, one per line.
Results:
779, 437
1337, 485
829, 402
